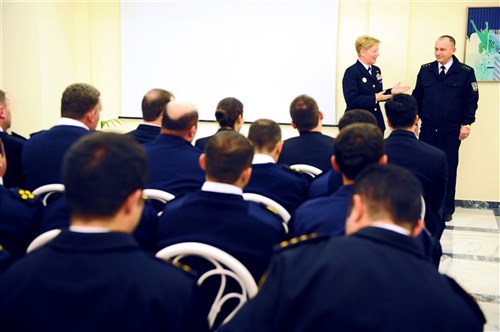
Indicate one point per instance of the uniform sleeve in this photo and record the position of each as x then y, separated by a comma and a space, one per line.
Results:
471, 97
417, 92
352, 95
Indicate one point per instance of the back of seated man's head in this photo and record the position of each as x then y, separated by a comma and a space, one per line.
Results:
179, 116
227, 155
78, 99
154, 103
389, 192
401, 111
357, 146
228, 111
100, 171
305, 113
356, 116
264, 134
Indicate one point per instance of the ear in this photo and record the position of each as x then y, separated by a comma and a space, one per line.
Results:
416, 120
131, 202
240, 119
354, 221
192, 132
383, 160
279, 148
320, 115
419, 227
335, 166
246, 175
2, 112
294, 125
203, 161
389, 123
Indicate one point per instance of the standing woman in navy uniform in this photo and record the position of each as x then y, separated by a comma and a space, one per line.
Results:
362, 82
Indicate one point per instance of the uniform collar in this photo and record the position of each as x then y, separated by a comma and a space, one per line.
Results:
222, 188
262, 159
71, 122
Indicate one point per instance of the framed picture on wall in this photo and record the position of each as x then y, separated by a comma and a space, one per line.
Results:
482, 46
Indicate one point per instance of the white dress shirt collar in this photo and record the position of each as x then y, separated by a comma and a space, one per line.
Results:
446, 66
88, 229
71, 122
262, 159
222, 188
391, 227
364, 64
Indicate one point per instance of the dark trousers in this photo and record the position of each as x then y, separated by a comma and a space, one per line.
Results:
447, 141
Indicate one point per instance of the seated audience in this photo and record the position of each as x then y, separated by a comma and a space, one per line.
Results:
311, 147
43, 153
373, 280
13, 145
94, 277
173, 160
356, 147
328, 182
425, 161
229, 115
217, 214
279, 182
153, 106
19, 213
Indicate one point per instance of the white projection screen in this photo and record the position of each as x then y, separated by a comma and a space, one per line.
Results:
265, 53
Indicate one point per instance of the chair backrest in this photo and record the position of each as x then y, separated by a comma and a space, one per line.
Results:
47, 190
161, 196
308, 169
224, 266
43, 239
272, 204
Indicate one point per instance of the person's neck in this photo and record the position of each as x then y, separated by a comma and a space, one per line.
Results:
410, 129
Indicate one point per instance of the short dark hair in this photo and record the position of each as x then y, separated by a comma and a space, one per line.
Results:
390, 190
154, 103
228, 153
450, 38
78, 99
357, 146
401, 110
100, 171
227, 112
184, 122
304, 112
264, 134
356, 116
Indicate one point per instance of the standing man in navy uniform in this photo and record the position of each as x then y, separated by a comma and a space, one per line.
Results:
362, 82
447, 96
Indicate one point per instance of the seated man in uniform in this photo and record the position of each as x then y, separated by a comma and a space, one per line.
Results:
43, 153
311, 147
94, 276
357, 146
276, 181
217, 214
373, 280
19, 212
153, 106
173, 160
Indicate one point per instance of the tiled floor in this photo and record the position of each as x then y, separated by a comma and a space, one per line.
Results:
471, 247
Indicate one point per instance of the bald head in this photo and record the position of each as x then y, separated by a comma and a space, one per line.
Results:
180, 119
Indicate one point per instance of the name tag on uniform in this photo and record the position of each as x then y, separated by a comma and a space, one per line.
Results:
379, 77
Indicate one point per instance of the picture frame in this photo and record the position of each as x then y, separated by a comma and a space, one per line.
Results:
482, 45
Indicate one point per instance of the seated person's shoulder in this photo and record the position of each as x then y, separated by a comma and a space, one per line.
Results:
301, 244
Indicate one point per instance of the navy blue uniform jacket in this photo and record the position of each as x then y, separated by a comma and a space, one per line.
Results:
447, 103
14, 176
374, 280
19, 218
44, 152
310, 148
325, 184
359, 88
243, 229
173, 165
98, 282
428, 163
279, 182
323, 215
145, 133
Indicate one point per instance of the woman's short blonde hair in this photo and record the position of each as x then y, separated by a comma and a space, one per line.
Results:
365, 42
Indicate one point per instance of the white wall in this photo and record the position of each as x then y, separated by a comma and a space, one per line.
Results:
46, 46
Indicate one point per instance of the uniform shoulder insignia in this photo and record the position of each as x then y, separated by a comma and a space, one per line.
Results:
272, 209
181, 266
466, 67
23, 194
425, 65
291, 169
305, 238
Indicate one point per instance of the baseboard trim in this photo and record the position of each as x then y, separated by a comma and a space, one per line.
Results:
477, 204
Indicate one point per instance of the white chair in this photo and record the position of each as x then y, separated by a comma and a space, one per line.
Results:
308, 169
43, 239
272, 204
47, 190
158, 195
224, 265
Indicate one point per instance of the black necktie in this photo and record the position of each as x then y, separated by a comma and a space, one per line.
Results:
370, 70
442, 73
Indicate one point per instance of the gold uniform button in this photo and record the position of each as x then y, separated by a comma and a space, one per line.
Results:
375, 109
294, 240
